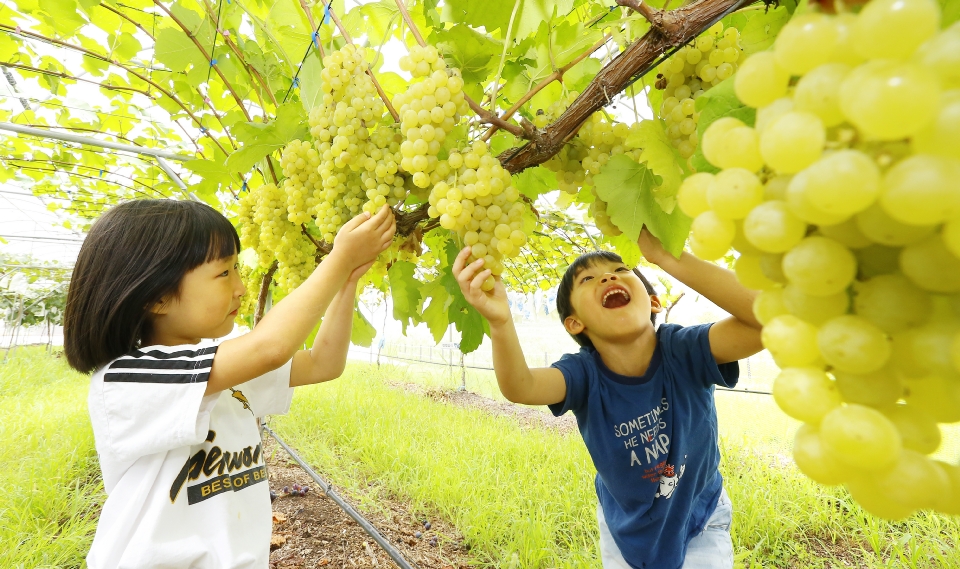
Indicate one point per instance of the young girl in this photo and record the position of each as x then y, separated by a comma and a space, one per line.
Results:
175, 417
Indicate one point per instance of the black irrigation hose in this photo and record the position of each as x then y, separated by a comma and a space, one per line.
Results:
726, 389
328, 490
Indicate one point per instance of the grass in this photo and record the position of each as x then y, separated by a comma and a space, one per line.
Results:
513, 492
528, 493
50, 489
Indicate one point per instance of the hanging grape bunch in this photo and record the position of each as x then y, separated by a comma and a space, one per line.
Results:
358, 147
844, 205
478, 201
428, 110
689, 72
599, 139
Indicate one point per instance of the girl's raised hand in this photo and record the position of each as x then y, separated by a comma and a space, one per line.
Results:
364, 237
492, 305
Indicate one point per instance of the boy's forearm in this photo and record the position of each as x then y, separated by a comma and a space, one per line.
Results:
513, 374
717, 284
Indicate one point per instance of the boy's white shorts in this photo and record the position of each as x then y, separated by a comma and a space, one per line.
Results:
711, 549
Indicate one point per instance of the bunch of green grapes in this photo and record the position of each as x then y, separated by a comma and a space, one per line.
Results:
429, 110
599, 139
845, 211
358, 150
477, 200
296, 258
689, 72
300, 162
246, 209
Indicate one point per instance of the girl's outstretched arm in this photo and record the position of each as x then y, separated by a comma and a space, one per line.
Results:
283, 330
328, 357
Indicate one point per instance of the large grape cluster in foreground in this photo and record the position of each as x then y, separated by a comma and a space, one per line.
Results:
843, 201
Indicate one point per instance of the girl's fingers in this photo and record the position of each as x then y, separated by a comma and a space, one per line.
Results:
467, 273
356, 221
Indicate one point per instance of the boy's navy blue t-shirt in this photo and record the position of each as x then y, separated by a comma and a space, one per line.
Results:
653, 440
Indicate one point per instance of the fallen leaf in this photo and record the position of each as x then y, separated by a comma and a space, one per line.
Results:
277, 541
279, 517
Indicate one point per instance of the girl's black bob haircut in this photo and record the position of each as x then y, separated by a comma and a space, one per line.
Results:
135, 255
585, 261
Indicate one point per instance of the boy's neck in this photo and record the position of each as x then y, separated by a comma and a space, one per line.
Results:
631, 357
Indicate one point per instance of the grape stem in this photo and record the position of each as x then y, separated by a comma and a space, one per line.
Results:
264, 292
651, 14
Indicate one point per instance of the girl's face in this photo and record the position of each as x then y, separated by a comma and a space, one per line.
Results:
208, 302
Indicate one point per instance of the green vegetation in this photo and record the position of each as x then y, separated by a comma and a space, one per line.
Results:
50, 491
509, 489
525, 491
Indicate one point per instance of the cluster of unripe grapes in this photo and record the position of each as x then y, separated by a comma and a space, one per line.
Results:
428, 110
477, 200
599, 139
844, 206
705, 62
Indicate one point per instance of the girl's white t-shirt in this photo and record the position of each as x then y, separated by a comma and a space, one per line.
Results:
184, 473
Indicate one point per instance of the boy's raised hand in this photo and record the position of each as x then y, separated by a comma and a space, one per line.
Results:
650, 247
491, 305
364, 237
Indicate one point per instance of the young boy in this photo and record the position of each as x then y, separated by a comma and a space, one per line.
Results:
643, 398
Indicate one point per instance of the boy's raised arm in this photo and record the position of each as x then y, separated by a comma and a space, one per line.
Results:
733, 338
518, 383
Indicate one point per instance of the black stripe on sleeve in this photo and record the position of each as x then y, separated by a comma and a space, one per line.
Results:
172, 355
117, 377
125, 363
194, 371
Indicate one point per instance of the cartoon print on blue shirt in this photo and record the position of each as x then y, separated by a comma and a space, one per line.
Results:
669, 479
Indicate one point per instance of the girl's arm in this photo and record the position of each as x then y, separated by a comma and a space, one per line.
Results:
328, 357
733, 338
518, 383
281, 332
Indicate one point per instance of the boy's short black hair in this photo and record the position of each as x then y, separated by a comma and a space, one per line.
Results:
585, 261
134, 255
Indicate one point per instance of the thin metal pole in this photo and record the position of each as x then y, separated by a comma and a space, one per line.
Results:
165, 166
68, 137
393, 553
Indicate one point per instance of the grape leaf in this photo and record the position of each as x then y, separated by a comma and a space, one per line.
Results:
436, 314
175, 50
363, 332
461, 314
950, 12
535, 181
759, 28
311, 93
405, 292
535, 12
628, 189
475, 54
626, 247
259, 140
661, 159
490, 14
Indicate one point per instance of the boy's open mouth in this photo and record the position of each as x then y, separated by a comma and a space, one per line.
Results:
615, 297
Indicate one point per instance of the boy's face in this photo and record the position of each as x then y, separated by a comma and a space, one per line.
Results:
610, 302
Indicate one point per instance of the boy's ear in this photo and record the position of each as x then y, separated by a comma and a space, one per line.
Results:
573, 325
655, 305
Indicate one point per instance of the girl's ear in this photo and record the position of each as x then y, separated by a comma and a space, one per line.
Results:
573, 326
160, 307
655, 305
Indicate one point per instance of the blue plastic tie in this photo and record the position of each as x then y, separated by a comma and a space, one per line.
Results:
213, 62
315, 37
296, 82
101, 173
326, 13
